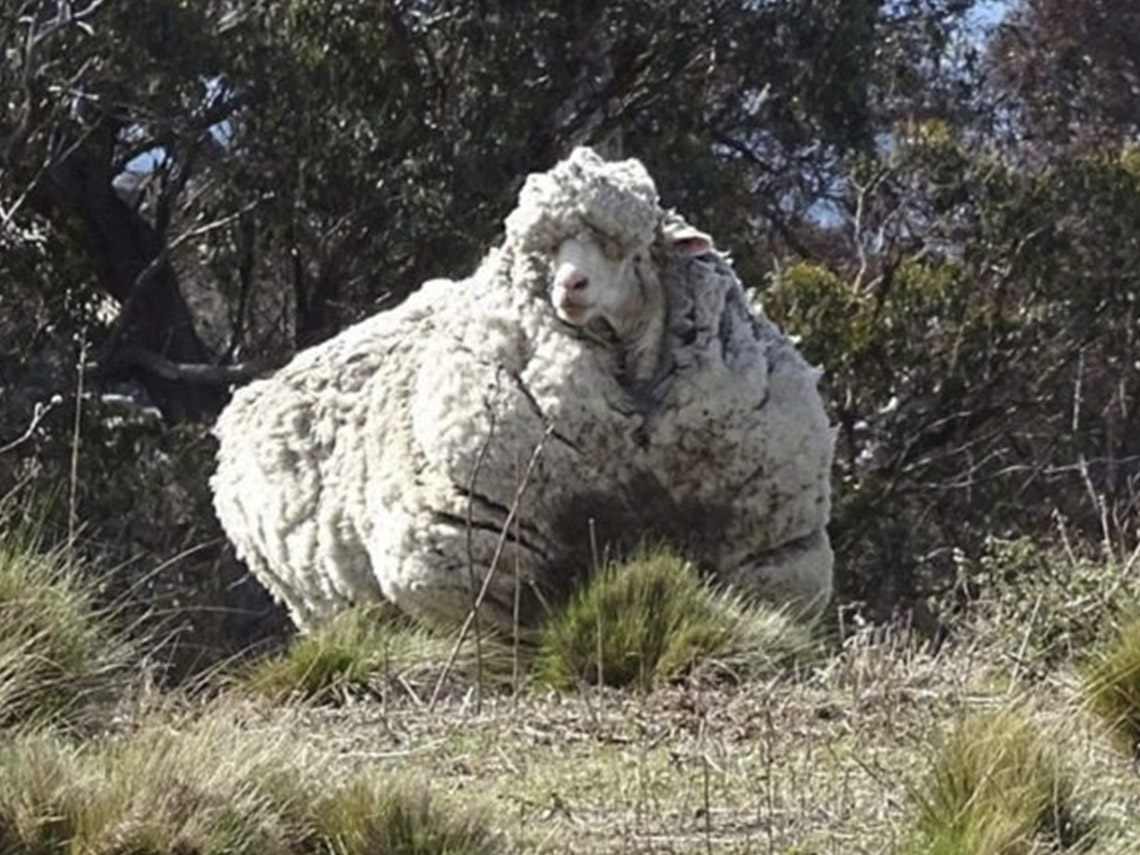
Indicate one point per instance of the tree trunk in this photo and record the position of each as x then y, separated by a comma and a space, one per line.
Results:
121, 246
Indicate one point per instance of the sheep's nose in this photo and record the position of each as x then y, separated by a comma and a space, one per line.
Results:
577, 283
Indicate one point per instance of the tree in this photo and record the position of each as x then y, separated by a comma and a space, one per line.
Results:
1071, 70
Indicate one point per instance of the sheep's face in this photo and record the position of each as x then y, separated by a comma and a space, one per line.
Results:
591, 279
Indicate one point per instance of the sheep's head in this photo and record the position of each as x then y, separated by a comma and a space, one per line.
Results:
590, 278
594, 276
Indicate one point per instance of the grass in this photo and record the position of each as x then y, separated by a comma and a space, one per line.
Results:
651, 619
997, 787
1112, 686
58, 652
362, 651
220, 784
834, 761
361, 819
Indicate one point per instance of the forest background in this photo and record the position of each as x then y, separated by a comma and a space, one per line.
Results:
939, 198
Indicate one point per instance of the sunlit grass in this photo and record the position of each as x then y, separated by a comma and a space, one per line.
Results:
222, 784
1112, 686
58, 651
996, 787
651, 619
364, 648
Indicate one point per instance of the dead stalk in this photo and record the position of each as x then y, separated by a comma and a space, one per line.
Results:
495, 559
73, 491
474, 614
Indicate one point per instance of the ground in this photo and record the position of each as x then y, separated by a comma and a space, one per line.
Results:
823, 761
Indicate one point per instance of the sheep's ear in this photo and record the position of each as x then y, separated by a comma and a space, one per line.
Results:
687, 239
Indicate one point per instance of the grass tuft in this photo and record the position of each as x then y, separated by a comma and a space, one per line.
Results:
1112, 686
997, 787
652, 619
58, 651
223, 784
362, 818
361, 648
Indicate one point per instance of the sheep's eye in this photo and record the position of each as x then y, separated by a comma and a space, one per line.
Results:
610, 248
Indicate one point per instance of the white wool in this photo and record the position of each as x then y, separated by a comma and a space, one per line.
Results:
346, 476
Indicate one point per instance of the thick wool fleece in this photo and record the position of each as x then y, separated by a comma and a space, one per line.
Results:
385, 462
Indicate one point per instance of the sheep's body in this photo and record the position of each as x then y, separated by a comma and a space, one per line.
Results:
385, 461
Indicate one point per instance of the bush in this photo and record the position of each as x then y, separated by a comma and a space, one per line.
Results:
996, 788
223, 784
1049, 604
1112, 686
651, 619
58, 652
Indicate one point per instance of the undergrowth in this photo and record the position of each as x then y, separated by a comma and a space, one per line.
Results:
364, 649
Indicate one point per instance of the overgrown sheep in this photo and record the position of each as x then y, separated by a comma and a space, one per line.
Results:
598, 381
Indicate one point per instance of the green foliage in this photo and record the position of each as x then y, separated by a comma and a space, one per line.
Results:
1112, 685
996, 787
1051, 604
651, 619
975, 351
58, 651
219, 784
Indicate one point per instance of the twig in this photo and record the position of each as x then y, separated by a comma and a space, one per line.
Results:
72, 517
479, 458
39, 413
192, 372
516, 663
514, 509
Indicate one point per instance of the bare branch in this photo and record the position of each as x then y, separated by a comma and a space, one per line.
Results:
214, 375
39, 413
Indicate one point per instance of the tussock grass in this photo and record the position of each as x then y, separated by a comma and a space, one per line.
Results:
1112, 685
360, 649
223, 784
651, 619
997, 787
58, 651
362, 819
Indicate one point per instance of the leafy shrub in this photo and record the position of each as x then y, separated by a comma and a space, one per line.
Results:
996, 787
651, 619
1112, 685
1048, 603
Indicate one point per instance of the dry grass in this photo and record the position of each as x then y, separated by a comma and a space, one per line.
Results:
998, 787
824, 762
1112, 686
223, 783
58, 653
858, 751
372, 651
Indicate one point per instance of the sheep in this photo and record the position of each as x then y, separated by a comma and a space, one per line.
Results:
605, 341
